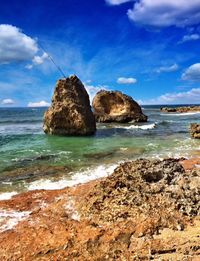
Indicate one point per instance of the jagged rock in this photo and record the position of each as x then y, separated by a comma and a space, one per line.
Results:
145, 210
114, 106
182, 109
70, 112
195, 130
145, 186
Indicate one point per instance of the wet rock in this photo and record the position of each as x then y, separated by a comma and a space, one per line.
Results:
195, 130
31, 173
114, 106
70, 112
130, 215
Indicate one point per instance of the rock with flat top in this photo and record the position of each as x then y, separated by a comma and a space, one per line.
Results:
114, 106
70, 112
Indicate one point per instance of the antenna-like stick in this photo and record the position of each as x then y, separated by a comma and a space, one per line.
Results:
50, 57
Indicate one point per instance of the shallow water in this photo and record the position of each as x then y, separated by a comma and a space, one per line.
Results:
24, 146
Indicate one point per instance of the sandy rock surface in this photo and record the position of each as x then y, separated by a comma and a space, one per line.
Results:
144, 210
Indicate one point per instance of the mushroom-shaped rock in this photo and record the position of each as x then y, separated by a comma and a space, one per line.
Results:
114, 106
70, 112
195, 130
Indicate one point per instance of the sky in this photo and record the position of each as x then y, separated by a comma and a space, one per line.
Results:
147, 49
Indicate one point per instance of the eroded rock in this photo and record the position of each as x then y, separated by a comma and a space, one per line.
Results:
146, 210
195, 130
182, 109
70, 112
114, 106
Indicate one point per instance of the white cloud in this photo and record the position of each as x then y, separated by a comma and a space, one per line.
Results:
190, 37
39, 104
92, 90
37, 60
40, 59
192, 73
189, 97
171, 68
163, 13
123, 80
117, 2
7, 102
15, 45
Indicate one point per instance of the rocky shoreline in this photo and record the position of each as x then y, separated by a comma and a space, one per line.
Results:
182, 109
145, 210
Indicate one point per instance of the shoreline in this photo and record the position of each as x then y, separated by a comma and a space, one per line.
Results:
57, 219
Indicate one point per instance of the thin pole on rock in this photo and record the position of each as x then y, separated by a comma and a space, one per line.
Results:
50, 57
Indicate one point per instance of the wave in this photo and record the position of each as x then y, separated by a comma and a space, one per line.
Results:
11, 218
180, 114
7, 195
77, 178
142, 127
20, 121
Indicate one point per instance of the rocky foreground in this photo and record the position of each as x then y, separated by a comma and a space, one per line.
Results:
146, 210
182, 109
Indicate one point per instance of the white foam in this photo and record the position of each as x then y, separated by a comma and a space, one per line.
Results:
7, 195
179, 114
77, 178
9, 219
70, 207
142, 127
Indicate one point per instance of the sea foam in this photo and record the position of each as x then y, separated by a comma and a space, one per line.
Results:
9, 219
77, 178
7, 195
180, 114
142, 127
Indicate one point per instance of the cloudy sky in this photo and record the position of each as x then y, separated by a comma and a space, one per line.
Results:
147, 49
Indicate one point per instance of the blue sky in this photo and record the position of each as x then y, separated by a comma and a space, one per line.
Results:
147, 49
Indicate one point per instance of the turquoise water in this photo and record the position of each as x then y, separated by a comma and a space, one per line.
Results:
24, 145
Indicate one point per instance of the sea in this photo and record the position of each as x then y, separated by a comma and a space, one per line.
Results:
30, 159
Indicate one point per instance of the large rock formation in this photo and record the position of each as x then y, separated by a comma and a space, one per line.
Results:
195, 130
70, 112
114, 106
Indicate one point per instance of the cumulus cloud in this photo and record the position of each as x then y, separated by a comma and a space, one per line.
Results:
39, 104
190, 37
171, 68
7, 102
123, 80
192, 73
190, 97
15, 46
162, 13
38, 60
117, 2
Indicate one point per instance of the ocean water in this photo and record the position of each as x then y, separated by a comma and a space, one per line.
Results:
26, 152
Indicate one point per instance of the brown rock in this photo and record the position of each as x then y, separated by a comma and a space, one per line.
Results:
129, 215
182, 109
114, 106
195, 130
70, 112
